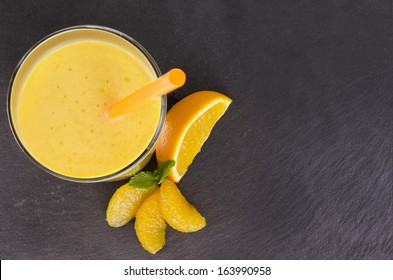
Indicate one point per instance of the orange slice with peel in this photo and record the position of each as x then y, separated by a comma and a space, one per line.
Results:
177, 211
187, 126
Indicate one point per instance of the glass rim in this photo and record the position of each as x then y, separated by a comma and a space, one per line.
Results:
143, 154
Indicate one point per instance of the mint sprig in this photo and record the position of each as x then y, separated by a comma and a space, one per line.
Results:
143, 180
147, 179
163, 169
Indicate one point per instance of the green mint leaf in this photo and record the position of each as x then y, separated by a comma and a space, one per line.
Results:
147, 179
157, 175
164, 168
143, 180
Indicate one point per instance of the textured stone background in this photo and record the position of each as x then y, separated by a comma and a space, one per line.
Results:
300, 166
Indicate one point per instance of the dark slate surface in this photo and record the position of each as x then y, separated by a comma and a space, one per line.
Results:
300, 167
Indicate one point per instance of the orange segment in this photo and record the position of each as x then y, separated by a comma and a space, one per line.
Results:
150, 225
124, 203
187, 126
177, 211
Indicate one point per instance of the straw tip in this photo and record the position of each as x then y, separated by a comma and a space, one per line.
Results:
177, 77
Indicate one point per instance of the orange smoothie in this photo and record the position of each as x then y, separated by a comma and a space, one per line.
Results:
59, 113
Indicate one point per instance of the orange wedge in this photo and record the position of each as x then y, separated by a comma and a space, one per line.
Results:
187, 126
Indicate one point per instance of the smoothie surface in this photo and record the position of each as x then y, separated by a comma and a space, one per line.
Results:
60, 113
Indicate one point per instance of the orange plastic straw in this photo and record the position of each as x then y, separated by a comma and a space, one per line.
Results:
165, 84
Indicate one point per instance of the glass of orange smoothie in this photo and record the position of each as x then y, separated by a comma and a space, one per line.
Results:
57, 98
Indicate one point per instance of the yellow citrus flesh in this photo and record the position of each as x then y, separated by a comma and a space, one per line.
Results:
187, 126
150, 225
124, 203
177, 211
